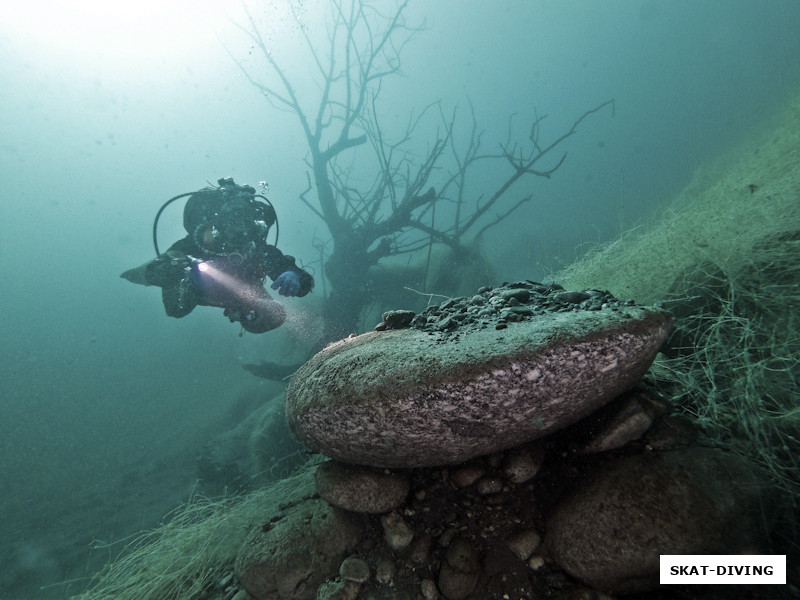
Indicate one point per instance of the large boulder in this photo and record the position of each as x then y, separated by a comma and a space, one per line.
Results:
611, 531
471, 385
289, 557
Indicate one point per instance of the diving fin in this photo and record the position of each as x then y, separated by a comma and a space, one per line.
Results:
137, 274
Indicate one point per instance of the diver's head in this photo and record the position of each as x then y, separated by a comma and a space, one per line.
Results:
237, 223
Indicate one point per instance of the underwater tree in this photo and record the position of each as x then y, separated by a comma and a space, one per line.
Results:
395, 212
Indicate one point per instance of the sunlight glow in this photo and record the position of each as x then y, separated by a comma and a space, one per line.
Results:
133, 29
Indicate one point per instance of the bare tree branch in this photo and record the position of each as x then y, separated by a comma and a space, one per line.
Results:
393, 211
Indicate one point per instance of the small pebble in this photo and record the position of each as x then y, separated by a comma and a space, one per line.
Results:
385, 572
354, 569
536, 562
395, 531
428, 589
489, 485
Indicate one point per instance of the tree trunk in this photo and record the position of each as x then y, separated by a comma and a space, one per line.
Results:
347, 271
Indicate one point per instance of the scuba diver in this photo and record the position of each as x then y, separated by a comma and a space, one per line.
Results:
225, 259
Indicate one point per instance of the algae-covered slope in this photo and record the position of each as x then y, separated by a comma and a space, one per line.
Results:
724, 258
727, 211
196, 547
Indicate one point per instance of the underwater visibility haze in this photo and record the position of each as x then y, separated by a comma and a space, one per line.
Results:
109, 408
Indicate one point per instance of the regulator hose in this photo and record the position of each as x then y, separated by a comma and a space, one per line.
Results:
274, 214
158, 216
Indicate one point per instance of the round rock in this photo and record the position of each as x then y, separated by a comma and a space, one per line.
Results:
412, 398
611, 531
460, 570
291, 557
358, 489
354, 569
